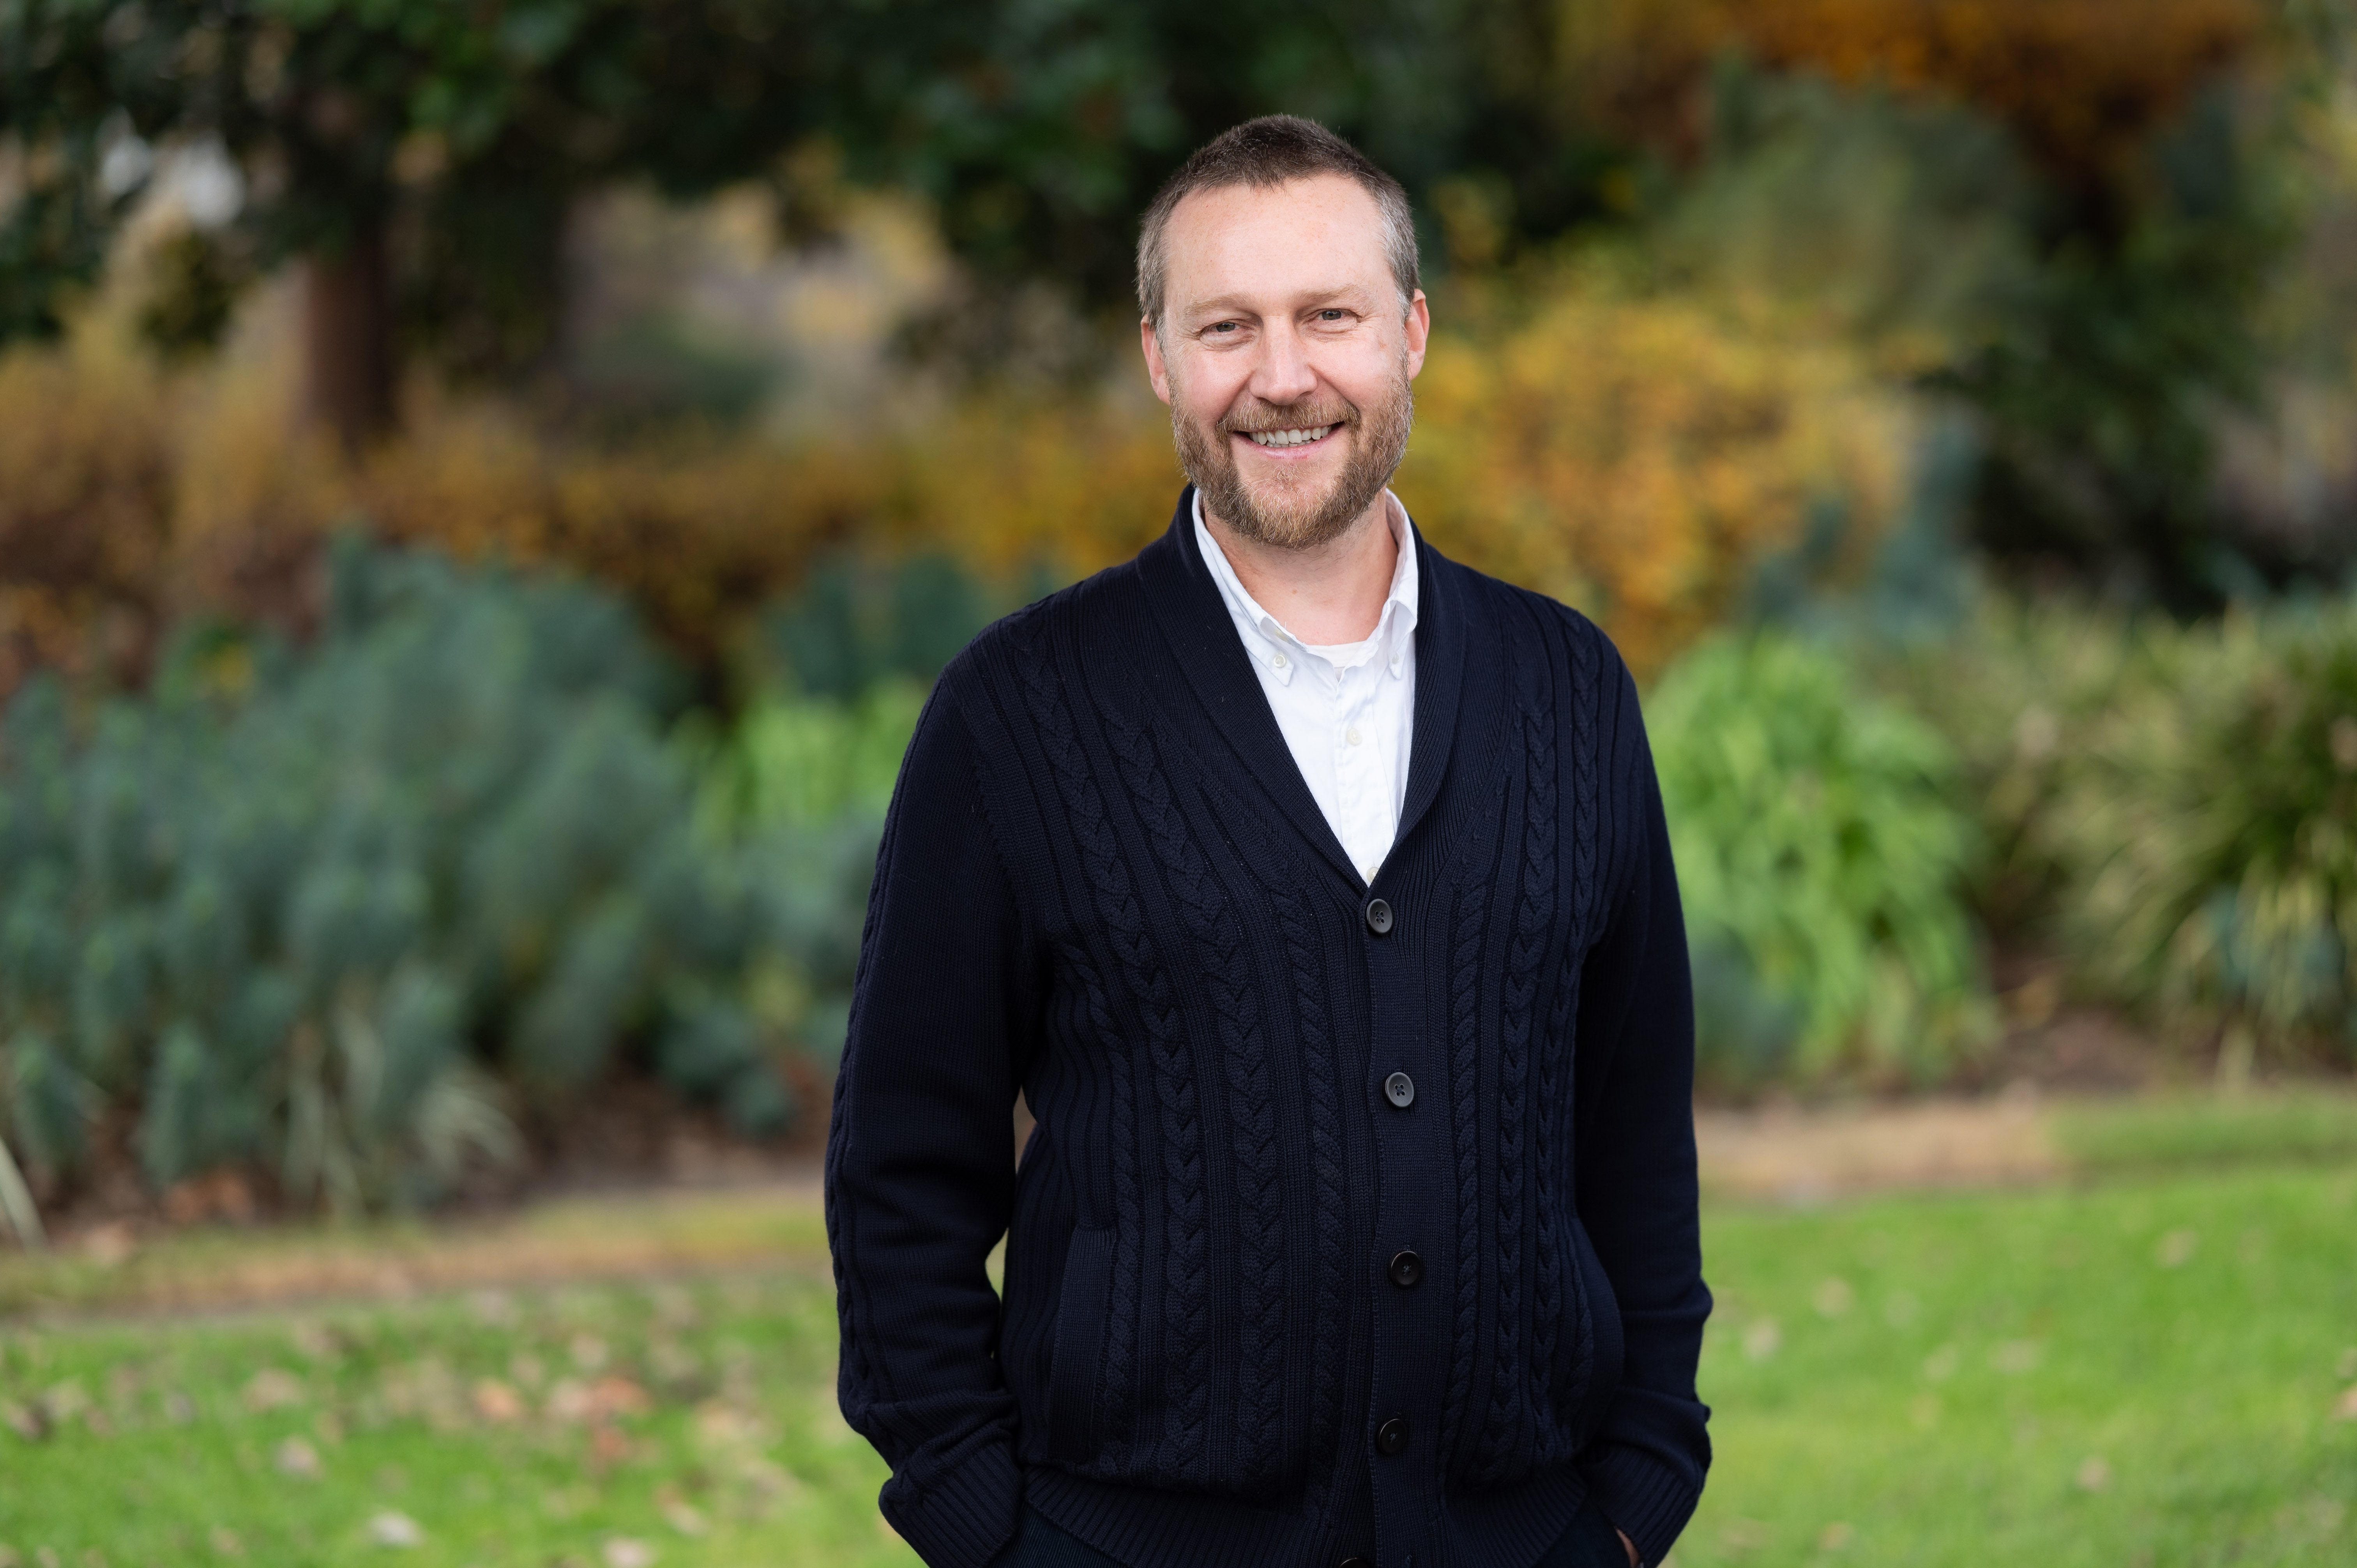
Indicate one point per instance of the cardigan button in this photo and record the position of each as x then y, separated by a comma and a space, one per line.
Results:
1379, 916
1400, 1090
1407, 1270
1392, 1436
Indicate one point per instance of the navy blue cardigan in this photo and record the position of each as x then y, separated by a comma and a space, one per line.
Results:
1259, 1082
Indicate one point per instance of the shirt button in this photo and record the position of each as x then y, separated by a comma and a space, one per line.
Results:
1379, 916
1351, 735
1392, 1436
1279, 662
1400, 1090
1407, 1270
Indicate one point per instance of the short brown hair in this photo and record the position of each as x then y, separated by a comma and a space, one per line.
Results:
1273, 150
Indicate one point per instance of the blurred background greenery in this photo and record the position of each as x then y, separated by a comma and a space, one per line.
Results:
484, 489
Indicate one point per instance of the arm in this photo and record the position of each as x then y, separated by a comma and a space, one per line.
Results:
1636, 1153
919, 1175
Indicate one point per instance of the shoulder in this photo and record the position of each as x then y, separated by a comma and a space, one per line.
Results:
1530, 632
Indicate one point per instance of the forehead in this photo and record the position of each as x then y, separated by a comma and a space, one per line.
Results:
1317, 234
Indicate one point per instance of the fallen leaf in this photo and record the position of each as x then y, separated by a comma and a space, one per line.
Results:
622, 1551
2346, 1409
2095, 1473
682, 1517
1762, 1340
393, 1528
298, 1459
28, 1424
65, 1401
568, 1400
2175, 1250
1833, 1537
498, 1401
272, 1389
225, 1541
1834, 1298
608, 1446
588, 1352
618, 1396
8, 1558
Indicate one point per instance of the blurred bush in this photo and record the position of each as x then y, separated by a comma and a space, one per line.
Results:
1639, 455
322, 909
2183, 796
1822, 866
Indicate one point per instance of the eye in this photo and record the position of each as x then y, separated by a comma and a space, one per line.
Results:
1331, 314
1218, 327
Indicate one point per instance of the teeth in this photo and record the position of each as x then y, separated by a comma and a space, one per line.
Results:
1290, 438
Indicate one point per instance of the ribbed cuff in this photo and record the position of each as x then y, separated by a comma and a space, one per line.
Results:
964, 1514
1642, 1497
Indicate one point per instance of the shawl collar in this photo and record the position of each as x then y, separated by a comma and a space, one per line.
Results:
1202, 636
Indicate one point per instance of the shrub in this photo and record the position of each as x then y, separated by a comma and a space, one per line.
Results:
2205, 826
1821, 866
324, 908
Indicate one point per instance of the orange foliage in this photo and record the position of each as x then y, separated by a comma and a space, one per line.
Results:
1636, 459
85, 482
2079, 80
1631, 455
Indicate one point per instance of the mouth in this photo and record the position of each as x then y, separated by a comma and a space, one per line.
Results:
1289, 441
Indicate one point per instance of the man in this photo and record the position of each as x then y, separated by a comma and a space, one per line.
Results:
1314, 891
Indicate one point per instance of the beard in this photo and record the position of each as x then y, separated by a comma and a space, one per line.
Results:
1281, 510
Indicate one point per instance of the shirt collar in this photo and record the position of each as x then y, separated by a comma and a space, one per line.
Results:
1281, 652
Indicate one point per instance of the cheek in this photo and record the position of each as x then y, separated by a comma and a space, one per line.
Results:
1207, 386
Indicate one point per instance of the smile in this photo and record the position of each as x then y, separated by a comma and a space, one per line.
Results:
1302, 438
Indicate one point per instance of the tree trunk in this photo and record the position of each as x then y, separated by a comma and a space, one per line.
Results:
348, 340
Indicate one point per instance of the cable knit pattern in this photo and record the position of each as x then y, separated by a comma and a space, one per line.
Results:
1105, 885
1185, 1447
1570, 1385
1252, 1106
1472, 903
1327, 1174
1503, 1452
1534, 928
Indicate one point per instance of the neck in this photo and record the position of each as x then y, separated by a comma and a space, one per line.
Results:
1327, 594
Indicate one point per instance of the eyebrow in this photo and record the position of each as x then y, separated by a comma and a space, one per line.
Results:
1229, 304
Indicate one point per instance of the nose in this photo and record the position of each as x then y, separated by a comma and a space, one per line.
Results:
1283, 374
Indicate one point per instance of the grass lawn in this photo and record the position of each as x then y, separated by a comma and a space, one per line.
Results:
2141, 1371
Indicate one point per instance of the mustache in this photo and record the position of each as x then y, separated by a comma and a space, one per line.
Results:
1305, 415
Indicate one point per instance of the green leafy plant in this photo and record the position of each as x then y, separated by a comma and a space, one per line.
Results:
1822, 865
2205, 823
333, 909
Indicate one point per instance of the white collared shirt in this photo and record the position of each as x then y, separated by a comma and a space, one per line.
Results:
1347, 713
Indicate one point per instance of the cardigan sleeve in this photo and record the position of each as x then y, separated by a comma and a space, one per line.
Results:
1636, 1181
919, 1165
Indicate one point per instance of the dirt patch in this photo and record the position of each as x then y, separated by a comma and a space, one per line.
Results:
1800, 1155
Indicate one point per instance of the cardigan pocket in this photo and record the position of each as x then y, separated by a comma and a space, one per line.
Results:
1081, 1308
1583, 1400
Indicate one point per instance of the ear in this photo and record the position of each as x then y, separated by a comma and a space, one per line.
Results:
1156, 371
1419, 332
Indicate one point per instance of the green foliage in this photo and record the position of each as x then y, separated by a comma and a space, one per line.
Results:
1891, 219
2102, 394
2205, 823
806, 761
1821, 864
301, 906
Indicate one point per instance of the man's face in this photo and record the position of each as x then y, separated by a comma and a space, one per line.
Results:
1285, 356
